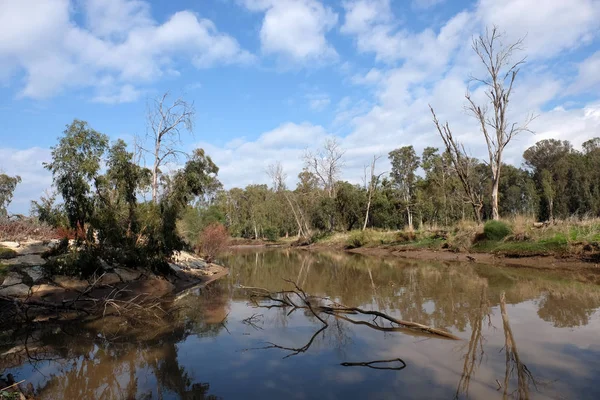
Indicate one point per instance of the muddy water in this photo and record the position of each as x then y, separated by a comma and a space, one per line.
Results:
542, 341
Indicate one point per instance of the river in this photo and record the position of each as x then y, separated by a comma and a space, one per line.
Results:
542, 341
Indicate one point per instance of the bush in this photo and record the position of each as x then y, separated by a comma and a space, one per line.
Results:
358, 239
496, 230
24, 229
271, 234
79, 263
213, 240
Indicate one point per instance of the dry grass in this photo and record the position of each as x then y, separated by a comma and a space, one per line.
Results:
24, 229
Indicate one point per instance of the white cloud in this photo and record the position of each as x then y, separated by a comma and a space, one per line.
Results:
376, 31
295, 29
550, 26
588, 76
318, 101
120, 43
124, 94
110, 18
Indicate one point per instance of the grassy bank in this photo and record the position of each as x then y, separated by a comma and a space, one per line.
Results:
517, 237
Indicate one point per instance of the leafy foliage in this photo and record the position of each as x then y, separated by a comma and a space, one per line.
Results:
75, 164
496, 230
8, 185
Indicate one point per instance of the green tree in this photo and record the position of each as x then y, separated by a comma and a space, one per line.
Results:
75, 165
404, 167
8, 185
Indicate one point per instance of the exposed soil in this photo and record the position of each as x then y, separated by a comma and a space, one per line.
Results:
587, 271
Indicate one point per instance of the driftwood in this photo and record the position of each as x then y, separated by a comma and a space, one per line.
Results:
283, 299
298, 299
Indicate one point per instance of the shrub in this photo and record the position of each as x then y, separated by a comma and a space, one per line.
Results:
496, 230
79, 263
25, 228
270, 234
358, 239
213, 240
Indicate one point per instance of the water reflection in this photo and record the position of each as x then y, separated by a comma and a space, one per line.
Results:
525, 334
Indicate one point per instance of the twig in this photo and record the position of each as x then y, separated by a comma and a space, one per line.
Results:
13, 385
370, 364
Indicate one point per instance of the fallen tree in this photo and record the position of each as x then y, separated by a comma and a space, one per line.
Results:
297, 299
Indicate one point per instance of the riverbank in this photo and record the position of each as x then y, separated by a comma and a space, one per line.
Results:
566, 246
29, 291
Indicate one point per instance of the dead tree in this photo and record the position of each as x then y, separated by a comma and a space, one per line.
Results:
326, 164
498, 85
372, 186
462, 165
165, 123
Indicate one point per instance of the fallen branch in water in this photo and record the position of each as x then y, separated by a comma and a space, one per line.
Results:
282, 299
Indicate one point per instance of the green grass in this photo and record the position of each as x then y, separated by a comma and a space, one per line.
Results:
6, 253
553, 245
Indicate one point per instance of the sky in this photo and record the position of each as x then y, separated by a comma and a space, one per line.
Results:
272, 78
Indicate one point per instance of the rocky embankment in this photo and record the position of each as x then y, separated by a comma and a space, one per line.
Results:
24, 279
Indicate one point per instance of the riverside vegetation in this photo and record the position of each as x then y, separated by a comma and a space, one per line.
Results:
438, 199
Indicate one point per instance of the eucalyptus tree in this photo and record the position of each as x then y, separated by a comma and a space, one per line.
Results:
404, 177
75, 164
8, 185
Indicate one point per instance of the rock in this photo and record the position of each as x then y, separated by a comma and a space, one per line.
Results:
185, 260
44, 289
33, 247
175, 267
10, 245
35, 273
70, 283
109, 279
12, 278
29, 259
18, 290
127, 274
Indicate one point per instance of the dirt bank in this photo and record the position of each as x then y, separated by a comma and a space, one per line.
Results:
589, 272
27, 290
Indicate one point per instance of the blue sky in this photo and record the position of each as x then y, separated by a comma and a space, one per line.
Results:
270, 78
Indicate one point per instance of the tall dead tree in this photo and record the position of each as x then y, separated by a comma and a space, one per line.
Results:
462, 165
166, 121
326, 163
493, 114
371, 187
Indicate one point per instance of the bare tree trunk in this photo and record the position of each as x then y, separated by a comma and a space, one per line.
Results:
495, 212
372, 186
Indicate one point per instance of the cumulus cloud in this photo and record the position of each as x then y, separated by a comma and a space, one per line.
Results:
119, 42
550, 26
588, 76
295, 29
